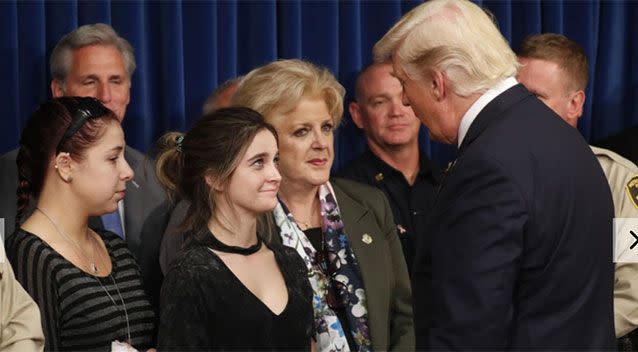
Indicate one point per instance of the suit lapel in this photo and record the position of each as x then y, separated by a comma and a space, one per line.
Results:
368, 244
131, 189
134, 201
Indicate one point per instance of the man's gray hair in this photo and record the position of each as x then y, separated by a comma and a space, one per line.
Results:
90, 34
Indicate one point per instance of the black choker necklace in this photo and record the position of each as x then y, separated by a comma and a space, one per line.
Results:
217, 245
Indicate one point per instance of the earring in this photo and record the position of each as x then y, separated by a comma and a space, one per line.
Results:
55, 166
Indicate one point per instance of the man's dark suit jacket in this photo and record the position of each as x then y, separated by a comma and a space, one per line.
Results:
521, 233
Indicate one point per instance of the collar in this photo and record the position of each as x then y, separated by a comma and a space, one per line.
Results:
3, 254
426, 167
480, 103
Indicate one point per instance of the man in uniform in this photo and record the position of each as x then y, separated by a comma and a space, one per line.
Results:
393, 161
20, 326
555, 69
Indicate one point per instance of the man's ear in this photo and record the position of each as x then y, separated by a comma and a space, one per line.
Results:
355, 113
575, 105
437, 83
64, 166
57, 90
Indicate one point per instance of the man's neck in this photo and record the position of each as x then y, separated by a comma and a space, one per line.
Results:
404, 158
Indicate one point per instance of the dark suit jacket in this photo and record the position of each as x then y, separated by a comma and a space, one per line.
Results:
365, 210
143, 195
521, 237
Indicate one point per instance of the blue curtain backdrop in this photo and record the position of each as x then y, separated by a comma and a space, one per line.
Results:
185, 49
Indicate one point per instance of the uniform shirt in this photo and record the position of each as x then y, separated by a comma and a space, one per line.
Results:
20, 328
620, 173
410, 204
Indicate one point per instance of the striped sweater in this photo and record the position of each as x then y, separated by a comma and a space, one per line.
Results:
77, 314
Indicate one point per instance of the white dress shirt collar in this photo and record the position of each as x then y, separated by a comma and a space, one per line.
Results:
480, 103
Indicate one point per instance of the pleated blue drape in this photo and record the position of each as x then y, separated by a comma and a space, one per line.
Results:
184, 49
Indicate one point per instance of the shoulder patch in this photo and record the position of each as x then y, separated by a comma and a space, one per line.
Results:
632, 190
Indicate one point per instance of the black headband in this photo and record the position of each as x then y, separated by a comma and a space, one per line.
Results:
87, 108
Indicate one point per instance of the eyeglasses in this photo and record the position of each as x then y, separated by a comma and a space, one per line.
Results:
336, 292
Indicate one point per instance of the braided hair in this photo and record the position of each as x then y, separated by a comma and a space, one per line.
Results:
66, 124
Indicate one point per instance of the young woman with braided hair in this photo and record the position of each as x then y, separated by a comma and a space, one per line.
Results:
86, 283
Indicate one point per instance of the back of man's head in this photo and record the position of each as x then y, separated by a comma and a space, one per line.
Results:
221, 96
90, 34
566, 53
453, 36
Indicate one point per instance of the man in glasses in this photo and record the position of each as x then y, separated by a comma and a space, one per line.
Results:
93, 60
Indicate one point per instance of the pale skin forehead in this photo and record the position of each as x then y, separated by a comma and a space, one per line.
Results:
97, 59
373, 74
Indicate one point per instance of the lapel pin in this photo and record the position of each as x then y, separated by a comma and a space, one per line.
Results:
401, 229
367, 239
378, 177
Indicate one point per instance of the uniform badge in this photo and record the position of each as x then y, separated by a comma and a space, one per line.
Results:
378, 177
367, 239
632, 190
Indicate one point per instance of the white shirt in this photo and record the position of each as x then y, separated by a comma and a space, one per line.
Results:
480, 103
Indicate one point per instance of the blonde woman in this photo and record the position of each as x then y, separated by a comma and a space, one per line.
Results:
342, 230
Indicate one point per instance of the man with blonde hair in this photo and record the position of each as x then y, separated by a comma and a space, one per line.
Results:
555, 69
520, 231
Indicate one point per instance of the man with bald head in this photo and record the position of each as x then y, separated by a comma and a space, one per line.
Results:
93, 60
520, 253
220, 97
393, 161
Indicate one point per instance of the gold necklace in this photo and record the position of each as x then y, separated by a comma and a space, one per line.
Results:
306, 224
92, 266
